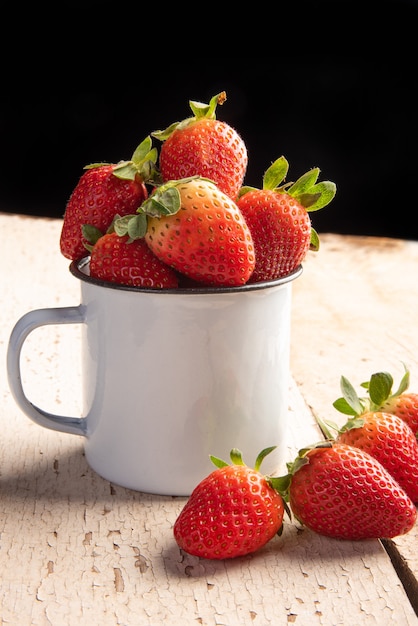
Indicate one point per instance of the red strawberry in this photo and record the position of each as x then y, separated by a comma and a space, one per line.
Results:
390, 440
279, 221
405, 406
232, 512
119, 260
103, 191
343, 492
204, 146
384, 435
196, 229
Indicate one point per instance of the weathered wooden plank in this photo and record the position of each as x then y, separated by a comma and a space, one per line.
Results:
355, 312
75, 548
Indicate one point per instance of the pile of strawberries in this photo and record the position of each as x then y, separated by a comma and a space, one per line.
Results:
360, 484
181, 217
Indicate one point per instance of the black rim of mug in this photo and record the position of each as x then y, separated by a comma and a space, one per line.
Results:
80, 269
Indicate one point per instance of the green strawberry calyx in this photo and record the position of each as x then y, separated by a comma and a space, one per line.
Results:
312, 195
200, 110
236, 458
379, 390
350, 403
380, 387
142, 164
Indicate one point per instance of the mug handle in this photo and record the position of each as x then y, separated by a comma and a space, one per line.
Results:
25, 325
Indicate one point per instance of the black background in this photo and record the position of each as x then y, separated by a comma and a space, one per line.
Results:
327, 84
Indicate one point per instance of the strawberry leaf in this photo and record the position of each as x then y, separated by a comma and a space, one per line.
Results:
262, 456
342, 406
323, 425
133, 225
304, 183
91, 234
120, 225
275, 174
355, 422
350, 403
143, 151
165, 201
125, 171
137, 226
142, 164
236, 456
380, 386
326, 190
314, 243
404, 384
308, 200
281, 484
312, 195
162, 135
218, 462
245, 190
92, 166
128, 170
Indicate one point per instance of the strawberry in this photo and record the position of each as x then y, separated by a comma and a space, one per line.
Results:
384, 435
405, 405
279, 221
195, 228
204, 146
390, 440
103, 191
126, 262
343, 492
232, 512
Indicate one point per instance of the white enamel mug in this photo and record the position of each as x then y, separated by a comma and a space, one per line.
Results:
170, 377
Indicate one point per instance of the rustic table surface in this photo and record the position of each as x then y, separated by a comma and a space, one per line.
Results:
75, 549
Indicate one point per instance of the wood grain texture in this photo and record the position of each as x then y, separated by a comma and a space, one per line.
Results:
76, 549
355, 312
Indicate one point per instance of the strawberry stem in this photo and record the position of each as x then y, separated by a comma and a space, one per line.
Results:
202, 110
